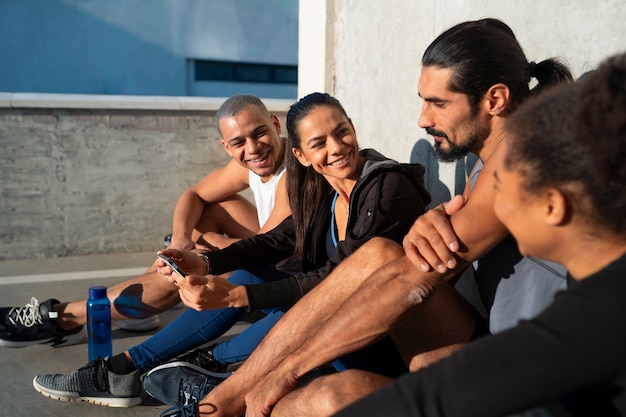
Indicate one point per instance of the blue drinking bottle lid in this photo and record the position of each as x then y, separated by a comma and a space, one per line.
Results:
99, 292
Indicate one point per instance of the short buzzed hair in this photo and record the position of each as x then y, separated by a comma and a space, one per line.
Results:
235, 104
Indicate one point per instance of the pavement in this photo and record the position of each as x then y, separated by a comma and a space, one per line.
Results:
67, 279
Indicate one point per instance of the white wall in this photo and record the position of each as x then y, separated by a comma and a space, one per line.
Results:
376, 48
312, 29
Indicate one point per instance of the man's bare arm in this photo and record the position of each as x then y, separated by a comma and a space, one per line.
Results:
216, 186
280, 212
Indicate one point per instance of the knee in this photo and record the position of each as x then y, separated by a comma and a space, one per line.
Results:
381, 248
324, 392
326, 395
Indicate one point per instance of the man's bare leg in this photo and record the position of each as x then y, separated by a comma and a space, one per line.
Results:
432, 330
326, 395
297, 325
385, 301
150, 293
235, 217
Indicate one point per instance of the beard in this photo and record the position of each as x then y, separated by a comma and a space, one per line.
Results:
454, 152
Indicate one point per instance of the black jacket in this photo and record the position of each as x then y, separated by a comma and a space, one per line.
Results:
385, 202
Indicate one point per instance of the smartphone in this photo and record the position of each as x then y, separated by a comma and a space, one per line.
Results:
173, 265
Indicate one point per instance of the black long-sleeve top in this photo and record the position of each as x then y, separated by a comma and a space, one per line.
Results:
571, 357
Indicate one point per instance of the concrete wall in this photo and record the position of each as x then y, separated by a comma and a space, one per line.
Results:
100, 174
372, 52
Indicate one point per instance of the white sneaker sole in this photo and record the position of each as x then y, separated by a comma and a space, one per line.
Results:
66, 340
74, 397
194, 368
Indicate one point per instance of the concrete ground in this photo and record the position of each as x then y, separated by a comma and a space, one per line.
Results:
66, 279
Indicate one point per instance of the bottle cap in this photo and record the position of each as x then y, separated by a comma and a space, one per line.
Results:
99, 292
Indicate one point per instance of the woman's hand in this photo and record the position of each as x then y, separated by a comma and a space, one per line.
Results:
186, 260
209, 292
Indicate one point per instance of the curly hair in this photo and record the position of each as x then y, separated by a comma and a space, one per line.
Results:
573, 138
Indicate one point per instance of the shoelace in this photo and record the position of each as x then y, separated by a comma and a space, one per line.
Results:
27, 316
188, 398
190, 394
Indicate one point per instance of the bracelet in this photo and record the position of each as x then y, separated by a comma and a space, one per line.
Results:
208, 263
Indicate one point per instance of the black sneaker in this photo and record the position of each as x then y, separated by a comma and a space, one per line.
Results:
35, 324
94, 383
181, 383
203, 357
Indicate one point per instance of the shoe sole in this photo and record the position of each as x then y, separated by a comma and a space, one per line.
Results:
74, 397
139, 325
55, 341
195, 368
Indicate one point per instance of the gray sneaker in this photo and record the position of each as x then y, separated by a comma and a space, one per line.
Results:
94, 383
181, 383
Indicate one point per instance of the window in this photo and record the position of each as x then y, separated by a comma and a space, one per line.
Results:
245, 72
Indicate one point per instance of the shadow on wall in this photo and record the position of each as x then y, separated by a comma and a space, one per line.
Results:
424, 154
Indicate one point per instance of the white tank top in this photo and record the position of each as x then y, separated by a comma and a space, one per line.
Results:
264, 193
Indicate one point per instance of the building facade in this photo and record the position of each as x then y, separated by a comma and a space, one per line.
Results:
211, 48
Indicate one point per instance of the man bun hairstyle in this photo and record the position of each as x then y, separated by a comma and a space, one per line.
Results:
485, 52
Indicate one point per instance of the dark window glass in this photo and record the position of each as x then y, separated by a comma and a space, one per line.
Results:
286, 74
245, 72
215, 70
253, 73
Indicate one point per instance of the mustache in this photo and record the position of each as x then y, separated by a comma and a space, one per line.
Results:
434, 132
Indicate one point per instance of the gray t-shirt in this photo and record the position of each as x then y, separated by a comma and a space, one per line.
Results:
505, 286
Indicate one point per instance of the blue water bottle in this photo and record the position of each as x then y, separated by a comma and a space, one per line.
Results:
99, 323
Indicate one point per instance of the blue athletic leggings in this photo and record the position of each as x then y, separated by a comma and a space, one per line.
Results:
192, 329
